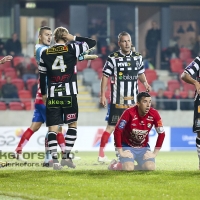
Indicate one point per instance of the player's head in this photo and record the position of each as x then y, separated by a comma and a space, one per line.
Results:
60, 33
144, 103
124, 42
45, 35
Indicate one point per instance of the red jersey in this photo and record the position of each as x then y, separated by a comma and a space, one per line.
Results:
133, 130
38, 98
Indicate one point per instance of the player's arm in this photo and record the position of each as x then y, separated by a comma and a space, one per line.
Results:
90, 42
142, 78
82, 46
161, 136
188, 79
189, 71
6, 59
119, 128
104, 83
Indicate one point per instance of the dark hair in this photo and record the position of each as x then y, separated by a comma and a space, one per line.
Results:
123, 33
142, 94
44, 28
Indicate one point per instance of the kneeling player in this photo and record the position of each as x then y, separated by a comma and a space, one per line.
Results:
131, 136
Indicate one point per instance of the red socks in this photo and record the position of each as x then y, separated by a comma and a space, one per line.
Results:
28, 133
104, 141
61, 141
24, 139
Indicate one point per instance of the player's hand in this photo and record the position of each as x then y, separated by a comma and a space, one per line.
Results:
197, 86
6, 59
147, 86
69, 37
44, 98
149, 154
103, 101
126, 154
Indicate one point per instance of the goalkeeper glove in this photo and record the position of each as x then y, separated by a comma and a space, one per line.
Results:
85, 56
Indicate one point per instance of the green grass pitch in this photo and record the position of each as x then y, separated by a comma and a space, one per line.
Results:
176, 177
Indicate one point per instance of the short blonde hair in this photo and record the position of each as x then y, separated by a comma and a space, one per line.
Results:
60, 33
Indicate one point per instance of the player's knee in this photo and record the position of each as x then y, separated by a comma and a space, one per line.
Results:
72, 125
128, 166
35, 126
110, 129
149, 166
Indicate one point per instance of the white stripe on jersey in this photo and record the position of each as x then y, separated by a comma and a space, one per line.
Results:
134, 90
121, 92
108, 71
191, 71
67, 89
196, 66
77, 47
75, 69
141, 71
85, 46
52, 91
115, 87
42, 69
60, 93
77, 50
74, 87
114, 61
109, 64
129, 91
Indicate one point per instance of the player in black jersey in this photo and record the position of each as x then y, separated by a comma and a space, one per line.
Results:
124, 68
191, 75
58, 65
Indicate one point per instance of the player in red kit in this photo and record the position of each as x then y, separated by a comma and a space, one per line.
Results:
131, 136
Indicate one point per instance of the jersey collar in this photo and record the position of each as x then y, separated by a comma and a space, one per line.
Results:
56, 44
129, 55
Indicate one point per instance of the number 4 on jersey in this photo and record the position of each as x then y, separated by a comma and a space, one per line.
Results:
59, 64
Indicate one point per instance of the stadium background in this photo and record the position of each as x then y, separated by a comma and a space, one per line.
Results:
115, 16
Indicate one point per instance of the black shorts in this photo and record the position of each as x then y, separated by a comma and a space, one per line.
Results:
61, 110
114, 113
196, 120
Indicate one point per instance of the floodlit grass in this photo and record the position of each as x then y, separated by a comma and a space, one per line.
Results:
177, 177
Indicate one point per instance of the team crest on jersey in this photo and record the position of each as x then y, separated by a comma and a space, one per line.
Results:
137, 65
115, 54
57, 49
149, 125
122, 124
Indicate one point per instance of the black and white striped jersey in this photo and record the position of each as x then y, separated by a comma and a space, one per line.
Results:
194, 67
58, 64
124, 71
